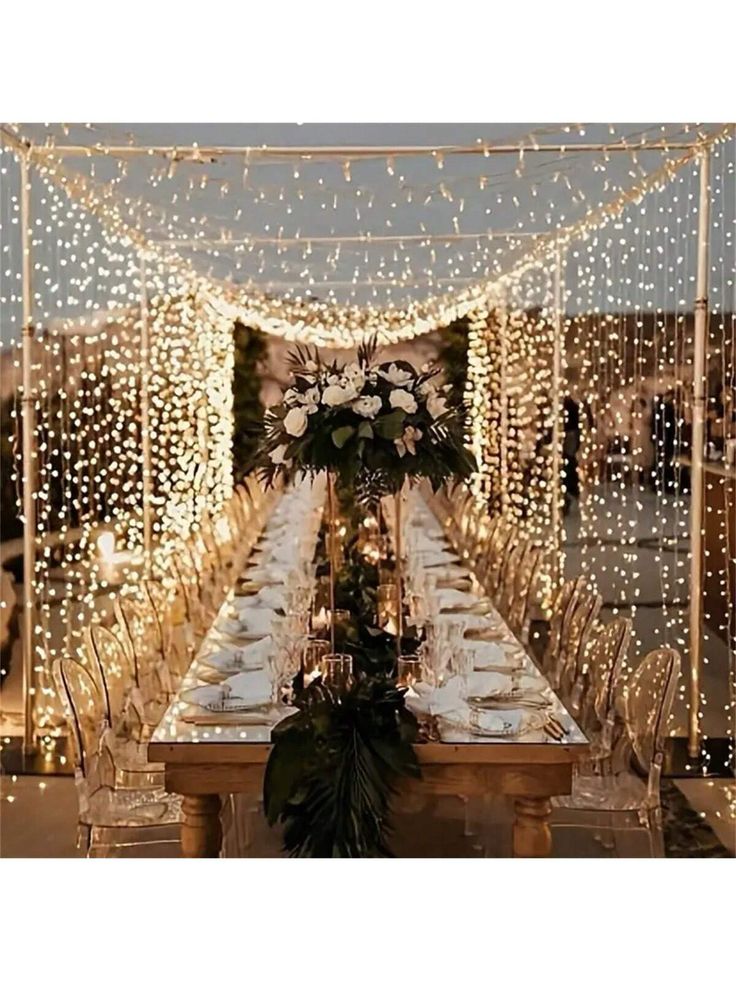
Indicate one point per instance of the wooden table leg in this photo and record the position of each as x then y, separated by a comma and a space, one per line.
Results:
201, 833
532, 835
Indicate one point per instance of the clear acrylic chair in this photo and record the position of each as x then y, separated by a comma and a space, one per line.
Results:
495, 559
141, 638
127, 733
525, 584
622, 802
483, 533
593, 697
109, 819
188, 591
515, 553
568, 597
576, 633
210, 591
163, 600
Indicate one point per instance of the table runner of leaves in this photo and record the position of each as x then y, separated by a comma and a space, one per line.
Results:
335, 762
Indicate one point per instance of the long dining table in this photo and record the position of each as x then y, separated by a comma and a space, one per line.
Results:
208, 756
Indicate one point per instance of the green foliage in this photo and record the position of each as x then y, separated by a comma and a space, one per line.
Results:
452, 356
251, 352
333, 767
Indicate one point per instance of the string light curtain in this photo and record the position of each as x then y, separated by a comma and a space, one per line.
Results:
90, 370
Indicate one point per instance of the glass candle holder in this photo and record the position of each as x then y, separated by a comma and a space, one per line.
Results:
409, 670
387, 606
314, 652
337, 671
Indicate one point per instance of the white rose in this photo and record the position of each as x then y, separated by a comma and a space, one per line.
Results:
278, 455
356, 376
368, 406
310, 399
396, 376
295, 421
400, 399
338, 395
436, 405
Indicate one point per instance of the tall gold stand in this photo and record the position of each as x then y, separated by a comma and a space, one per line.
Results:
331, 544
399, 571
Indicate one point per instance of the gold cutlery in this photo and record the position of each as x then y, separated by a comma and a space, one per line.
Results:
227, 719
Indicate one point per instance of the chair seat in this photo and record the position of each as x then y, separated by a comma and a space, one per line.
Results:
613, 792
130, 808
130, 764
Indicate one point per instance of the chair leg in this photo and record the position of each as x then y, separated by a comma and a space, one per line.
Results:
84, 839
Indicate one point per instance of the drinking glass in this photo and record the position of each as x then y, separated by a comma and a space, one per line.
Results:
462, 661
409, 670
314, 651
337, 671
418, 608
281, 665
298, 599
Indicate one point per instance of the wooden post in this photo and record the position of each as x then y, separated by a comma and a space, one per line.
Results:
29, 455
697, 454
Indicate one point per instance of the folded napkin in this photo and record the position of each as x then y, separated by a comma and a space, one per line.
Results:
449, 598
269, 597
433, 559
228, 656
488, 683
269, 572
487, 653
256, 622
252, 687
246, 624
285, 551
425, 699
471, 621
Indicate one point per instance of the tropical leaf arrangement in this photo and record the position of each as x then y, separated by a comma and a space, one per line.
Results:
333, 767
372, 425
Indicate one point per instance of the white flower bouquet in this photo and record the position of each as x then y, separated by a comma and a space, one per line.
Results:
372, 425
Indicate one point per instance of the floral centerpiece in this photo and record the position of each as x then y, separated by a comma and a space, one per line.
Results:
371, 425
335, 761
